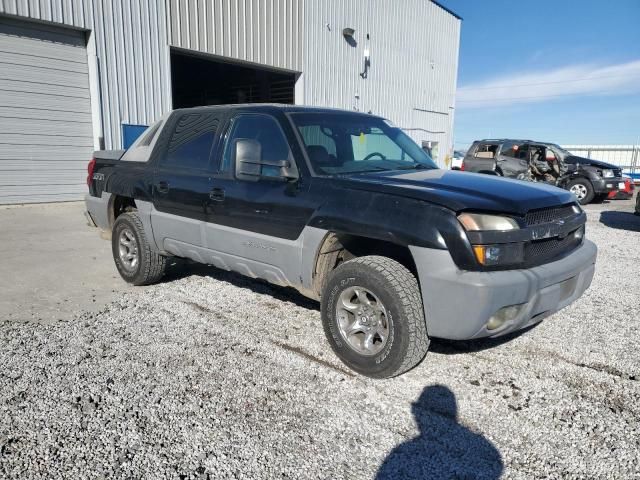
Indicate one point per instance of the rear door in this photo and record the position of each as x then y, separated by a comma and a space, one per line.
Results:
481, 157
513, 160
183, 181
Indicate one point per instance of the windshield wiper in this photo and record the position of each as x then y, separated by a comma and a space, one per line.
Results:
369, 170
416, 166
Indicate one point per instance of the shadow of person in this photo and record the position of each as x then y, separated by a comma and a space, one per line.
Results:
444, 449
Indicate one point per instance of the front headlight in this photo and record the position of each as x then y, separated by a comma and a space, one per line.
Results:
607, 174
493, 255
476, 222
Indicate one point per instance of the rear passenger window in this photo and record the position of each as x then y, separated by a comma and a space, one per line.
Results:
192, 141
486, 150
513, 150
195, 153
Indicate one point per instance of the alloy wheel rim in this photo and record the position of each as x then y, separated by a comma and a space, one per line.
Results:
579, 191
128, 249
362, 321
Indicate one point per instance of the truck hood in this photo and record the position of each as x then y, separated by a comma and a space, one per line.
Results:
463, 190
589, 161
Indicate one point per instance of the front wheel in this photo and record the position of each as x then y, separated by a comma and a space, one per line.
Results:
373, 317
135, 260
582, 189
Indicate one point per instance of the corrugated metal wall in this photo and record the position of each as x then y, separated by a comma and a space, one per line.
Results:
269, 32
413, 46
411, 79
129, 38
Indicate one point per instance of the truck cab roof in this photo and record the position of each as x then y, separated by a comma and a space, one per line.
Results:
274, 107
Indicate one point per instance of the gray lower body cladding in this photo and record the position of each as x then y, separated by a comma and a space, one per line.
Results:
98, 209
280, 261
458, 304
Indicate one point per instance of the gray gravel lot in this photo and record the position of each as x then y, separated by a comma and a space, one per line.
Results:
213, 375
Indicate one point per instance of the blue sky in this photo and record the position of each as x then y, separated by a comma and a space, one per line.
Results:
555, 70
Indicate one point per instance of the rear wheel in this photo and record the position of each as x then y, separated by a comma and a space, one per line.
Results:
136, 262
373, 317
582, 189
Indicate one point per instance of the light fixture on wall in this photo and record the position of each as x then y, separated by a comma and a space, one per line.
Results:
367, 63
348, 33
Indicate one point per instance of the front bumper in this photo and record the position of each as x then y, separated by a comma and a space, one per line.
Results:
458, 304
607, 185
620, 195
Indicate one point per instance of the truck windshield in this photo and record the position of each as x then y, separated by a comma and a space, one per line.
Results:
343, 143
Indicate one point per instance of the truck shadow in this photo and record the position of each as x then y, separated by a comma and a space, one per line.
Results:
181, 268
620, 220
455, 347
444, 448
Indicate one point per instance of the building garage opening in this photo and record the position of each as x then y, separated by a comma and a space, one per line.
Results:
197, 80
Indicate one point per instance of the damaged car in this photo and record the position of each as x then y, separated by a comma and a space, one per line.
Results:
589, 180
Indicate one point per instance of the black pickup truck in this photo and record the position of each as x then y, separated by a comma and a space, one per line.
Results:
347, 209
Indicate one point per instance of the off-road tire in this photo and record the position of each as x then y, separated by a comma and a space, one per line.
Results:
589, 187
150, 266
398, 290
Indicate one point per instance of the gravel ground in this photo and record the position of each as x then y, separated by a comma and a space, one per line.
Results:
216, 376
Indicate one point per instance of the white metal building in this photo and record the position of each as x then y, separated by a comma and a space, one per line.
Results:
77, 75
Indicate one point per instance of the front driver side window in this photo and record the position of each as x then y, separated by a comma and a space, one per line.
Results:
264, 129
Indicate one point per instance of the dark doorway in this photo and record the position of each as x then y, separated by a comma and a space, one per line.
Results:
199, 80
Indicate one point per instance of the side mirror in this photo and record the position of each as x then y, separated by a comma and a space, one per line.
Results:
248, 155
251, 166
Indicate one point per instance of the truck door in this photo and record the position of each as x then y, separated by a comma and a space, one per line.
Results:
513, 159
257, 224
183, 181
482, 158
